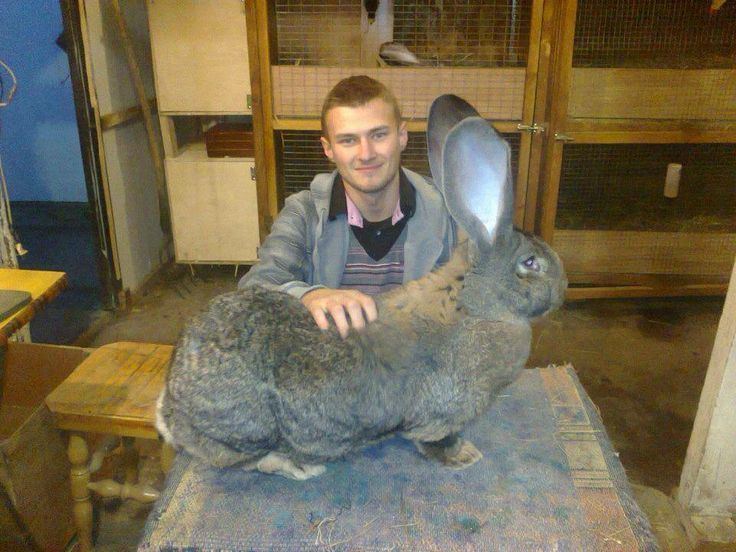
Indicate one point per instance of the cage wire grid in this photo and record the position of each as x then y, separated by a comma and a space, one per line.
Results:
664, 34
620, 187
302, 157
451, 33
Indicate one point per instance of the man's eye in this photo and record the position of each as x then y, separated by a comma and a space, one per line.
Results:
380, 135
346, 141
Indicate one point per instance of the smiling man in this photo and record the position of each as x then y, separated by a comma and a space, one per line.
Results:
365, 228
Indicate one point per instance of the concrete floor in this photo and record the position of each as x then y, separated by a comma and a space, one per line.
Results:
643, 363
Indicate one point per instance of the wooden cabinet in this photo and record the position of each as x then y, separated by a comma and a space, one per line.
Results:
202, 73
214, 210
200, 55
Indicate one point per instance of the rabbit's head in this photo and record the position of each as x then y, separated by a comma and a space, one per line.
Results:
512, 273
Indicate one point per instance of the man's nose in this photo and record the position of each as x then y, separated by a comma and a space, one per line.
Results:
366, 149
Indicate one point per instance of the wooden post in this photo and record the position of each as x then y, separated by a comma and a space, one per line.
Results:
707, 493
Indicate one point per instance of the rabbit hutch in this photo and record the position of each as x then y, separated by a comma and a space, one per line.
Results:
598, 100
638, 192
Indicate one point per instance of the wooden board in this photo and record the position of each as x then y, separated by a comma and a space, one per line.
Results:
653, 93
645, 252
200, 54
113, 391
707, 490
127, 169
43, 285
214, 208
497, 93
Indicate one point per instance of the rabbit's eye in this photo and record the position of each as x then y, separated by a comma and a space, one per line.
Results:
531, 263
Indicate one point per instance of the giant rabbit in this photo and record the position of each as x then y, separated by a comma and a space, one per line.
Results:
254, 382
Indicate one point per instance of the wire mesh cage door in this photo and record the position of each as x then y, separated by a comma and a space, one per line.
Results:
480, 50
647, 209
654, 59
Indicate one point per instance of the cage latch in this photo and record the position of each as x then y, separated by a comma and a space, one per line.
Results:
563, 137
532, 128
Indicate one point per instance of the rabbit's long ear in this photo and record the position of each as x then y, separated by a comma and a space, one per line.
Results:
446, 111
476, 180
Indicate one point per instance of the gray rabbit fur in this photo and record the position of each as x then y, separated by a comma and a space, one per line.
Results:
255, 383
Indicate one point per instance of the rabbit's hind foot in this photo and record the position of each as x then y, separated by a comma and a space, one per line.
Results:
452, 451
279, 464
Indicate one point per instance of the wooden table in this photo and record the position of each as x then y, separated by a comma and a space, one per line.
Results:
43, 285
112, 392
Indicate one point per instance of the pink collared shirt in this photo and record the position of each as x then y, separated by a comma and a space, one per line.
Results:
356, 219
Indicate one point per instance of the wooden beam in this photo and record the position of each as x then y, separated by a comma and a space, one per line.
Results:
313, 123
707, 492
116, 118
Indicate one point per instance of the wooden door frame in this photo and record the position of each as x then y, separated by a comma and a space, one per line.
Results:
89, 139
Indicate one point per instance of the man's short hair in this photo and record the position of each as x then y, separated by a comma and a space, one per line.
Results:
356, 91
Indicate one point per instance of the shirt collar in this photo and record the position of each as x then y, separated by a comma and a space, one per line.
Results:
340, 203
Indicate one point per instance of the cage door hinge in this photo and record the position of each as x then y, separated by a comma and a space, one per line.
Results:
532, 128
249, 101
252, 173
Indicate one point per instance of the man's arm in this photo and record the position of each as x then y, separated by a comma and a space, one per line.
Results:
286, 265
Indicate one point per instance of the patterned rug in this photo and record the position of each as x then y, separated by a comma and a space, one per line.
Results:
549, 480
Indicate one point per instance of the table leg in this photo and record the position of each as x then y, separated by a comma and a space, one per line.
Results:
167, 457
78, 453
130, 460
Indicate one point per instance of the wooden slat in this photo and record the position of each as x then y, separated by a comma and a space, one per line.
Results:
653, 93
133, 113
614, 292
645, 252
497, 93
113, 391
411, 126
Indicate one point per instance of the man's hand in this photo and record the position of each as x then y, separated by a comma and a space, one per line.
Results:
340, 304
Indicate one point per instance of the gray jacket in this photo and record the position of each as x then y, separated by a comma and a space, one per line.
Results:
305, 250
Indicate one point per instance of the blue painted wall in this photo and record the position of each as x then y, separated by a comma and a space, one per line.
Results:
39, 142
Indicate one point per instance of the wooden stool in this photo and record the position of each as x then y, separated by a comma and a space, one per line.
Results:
112, 392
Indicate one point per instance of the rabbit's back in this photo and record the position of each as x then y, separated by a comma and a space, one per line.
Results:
255, 373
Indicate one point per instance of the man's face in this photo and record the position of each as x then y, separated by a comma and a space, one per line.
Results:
365, 143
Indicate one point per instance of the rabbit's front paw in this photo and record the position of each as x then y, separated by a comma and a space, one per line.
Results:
279, 464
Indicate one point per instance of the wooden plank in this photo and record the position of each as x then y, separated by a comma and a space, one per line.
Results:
259, 123
411, 126
265, 26
497, 93
561, 18
650, 131
653, 93
619, 292
200, 67
223, 194
645, 252
133, 113
707, 489
114, 390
